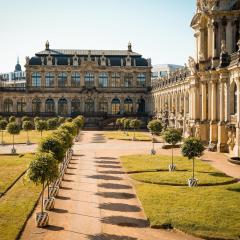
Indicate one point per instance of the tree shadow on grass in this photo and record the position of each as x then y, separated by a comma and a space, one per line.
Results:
234, 189
120, 207
114, 186
105, 177
104, 236
125, 221
116, 195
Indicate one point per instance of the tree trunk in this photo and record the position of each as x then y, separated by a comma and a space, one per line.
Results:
172, 155
193, 165
153, 141
42, 197
134, 134
41, 134
13, 141
27, 137
2, 137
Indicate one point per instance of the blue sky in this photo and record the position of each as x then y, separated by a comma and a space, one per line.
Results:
158, 29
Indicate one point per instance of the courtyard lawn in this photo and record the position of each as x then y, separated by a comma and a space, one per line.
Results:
34, 137
15, 208
120, 135
209, 211
12, 166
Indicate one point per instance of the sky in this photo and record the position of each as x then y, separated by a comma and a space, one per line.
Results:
158, 29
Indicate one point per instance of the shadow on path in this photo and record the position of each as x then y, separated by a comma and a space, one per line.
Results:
114, 186
105, 236
104, 177
120, 207
116, 195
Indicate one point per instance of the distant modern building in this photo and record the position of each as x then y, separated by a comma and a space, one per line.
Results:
17, 78
163, 70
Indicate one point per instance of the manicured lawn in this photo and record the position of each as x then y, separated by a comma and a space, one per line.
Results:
120, 135
12, 166
34, 136
15, 207
209, 211
154, 169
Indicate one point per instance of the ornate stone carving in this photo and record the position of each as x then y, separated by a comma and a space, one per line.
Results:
192, 65
27, 60
231, 140
206, 5
197, 131
223, 47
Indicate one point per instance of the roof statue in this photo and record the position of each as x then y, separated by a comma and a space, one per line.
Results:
223, 47
206, 5
129, 47
47, 45
192, 65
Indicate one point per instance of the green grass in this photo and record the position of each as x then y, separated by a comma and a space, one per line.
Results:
154, 169
34, 137
12, 166
15, 208
211, 211
120, 135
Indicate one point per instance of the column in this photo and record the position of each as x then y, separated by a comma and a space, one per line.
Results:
202, 45
237, 146
214, 40
82, 77
210, 39
229, 36
204, 101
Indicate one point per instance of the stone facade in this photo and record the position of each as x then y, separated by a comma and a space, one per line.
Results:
89, 82
203, 99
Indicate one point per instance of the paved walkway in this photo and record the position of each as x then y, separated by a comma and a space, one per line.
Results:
97, 200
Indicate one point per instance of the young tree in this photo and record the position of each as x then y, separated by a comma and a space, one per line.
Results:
155, 127
25, 118
14, 129
119, 123
61, 120
69, 119
52, 123
27, 126
42, 169
172, 136
122, 123
40, 126
126, 124
135, 124
70, 127
36, 119
12, 119
64, 136
192, 148
3, 125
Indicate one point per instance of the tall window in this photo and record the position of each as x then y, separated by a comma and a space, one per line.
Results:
103, 106
128, 105
128, 78
62, 80
49, 80
89, 105
21, 106
141, 105
50, 105
115, 106
75, 106
103, 80
36, 105
36, 79
235, 99
62, 106
75, 80
8, 105
89, 80
116, 80
141, 79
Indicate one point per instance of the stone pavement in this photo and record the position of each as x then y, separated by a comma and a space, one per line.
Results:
97, 200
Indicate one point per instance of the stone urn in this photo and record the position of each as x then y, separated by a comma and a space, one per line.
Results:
41, 219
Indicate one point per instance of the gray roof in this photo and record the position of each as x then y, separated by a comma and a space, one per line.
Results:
72, 52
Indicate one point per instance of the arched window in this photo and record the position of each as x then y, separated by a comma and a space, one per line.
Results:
8, 105
75, 106
49, 80
89, 80
75, 80
36, 105
128, 105
62, 106
141, 105
21, 106
235, 99
62, 80
116, 80
128, 78
50, 105
141, 80
36, 79
103, 106
103, 80
89, 105
115, 106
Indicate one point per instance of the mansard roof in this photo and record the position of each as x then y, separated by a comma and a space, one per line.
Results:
72, 52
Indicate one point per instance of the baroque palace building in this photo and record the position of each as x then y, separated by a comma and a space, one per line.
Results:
203, 99
95, 83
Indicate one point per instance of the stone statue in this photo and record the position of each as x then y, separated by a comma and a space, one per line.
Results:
206, 5
42, 60
231, 140
197, 131
223, 47
192, 65
27, 60
238, 44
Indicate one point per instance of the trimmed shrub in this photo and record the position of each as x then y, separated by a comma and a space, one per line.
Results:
12, 119
52, 123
